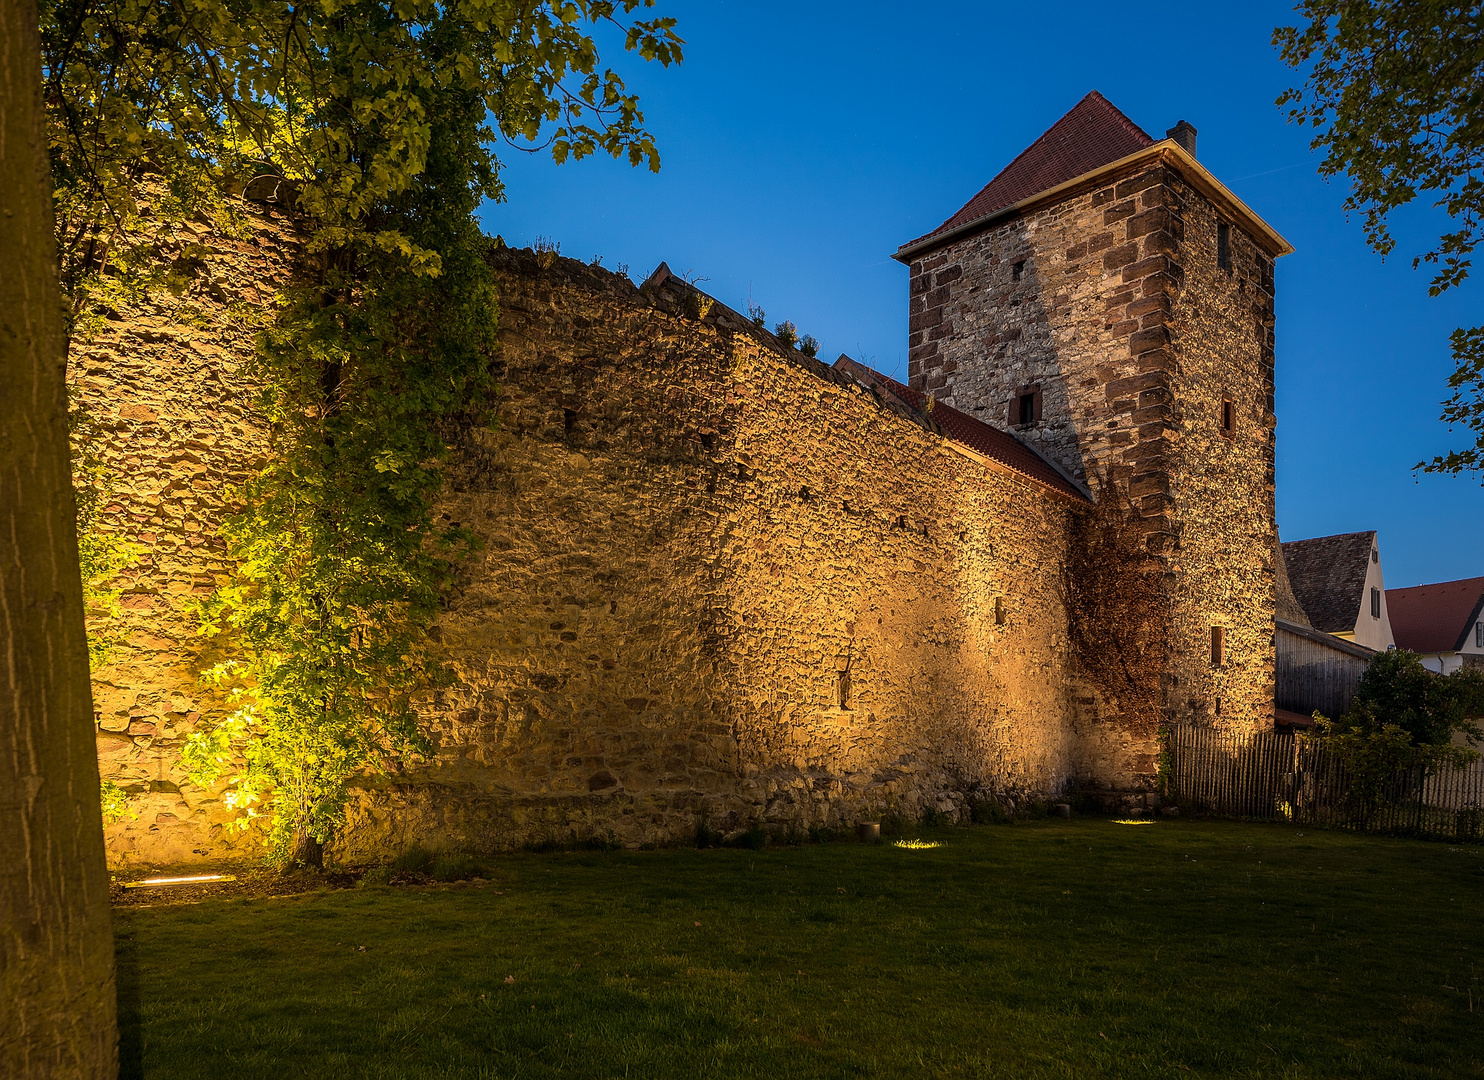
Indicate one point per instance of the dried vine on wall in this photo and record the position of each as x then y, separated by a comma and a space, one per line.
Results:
1116, 605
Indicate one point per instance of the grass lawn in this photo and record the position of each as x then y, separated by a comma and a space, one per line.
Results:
1057, 949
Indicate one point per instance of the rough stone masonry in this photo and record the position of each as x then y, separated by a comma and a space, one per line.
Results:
722, 583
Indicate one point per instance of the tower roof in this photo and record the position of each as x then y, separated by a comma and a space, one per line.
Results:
1091, 135
1092, 141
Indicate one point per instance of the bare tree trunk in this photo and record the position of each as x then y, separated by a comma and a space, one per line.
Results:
307, 851
57, 999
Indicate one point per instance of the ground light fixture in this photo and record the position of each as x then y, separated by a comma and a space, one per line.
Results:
1133, 821
917, 845
194, 879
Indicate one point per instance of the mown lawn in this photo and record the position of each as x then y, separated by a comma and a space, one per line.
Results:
1068, 949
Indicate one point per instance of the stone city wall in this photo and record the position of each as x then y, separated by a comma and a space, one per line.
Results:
692, 546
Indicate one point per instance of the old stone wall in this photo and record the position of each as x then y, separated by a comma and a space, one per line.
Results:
717, 583
164, 381
721, 584
1107, 307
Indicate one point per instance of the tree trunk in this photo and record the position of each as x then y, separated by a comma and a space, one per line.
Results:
57, 998
307, 851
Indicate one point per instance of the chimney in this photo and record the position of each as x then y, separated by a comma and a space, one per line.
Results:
1183, 134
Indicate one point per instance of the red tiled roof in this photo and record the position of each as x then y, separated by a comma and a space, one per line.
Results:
1435, 618
982, 438
1090, 136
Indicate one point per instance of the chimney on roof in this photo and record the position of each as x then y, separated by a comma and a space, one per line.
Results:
1183, 134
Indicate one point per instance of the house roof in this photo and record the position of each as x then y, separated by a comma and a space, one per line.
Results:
983, 439
1091, 135
1435, 618
1328, 577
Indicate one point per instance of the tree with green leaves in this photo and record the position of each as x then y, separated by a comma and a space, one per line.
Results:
1403, 717
376, 123
1395, 91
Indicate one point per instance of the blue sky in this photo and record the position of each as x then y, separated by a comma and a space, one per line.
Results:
803, 142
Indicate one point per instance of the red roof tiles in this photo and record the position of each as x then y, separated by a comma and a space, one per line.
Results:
1089, 137
1435, 618
983, 439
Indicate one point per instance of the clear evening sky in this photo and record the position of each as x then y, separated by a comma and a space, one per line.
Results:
803, 142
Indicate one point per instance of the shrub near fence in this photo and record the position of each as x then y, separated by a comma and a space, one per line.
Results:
1288, 778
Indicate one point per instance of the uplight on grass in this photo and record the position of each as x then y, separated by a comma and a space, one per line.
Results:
1133, 821
916, 845
196, 879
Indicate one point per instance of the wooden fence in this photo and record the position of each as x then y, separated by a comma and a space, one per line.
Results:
1287, 778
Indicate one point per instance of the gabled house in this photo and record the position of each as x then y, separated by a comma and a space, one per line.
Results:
1313, 671
1442, 622
1338, 582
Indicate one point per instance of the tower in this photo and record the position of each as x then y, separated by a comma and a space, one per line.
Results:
1111, 302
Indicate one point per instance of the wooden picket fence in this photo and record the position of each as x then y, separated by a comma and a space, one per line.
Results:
1271, 776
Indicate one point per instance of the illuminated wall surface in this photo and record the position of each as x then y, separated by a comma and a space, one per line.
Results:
687, 537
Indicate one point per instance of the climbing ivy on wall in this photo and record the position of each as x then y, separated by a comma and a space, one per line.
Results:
375, 121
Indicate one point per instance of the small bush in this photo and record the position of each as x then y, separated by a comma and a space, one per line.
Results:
933, 818
820, 835
378, 875
704, 836
416, 857
987, 812
754, 839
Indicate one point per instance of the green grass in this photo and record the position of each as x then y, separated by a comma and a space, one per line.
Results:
1065, 949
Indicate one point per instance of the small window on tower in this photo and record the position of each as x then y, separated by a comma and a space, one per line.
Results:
1228, 417
1218, 646
1223, 246
1025, 406
1375, 602
1016, 270
999, 611
843, 689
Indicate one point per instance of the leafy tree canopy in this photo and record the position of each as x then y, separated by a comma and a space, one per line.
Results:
375, 123
1395, 91
1397, 691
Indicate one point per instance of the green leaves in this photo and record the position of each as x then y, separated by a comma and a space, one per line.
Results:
382, 116
1395, 92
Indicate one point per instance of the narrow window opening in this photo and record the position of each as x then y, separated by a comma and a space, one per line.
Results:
1375, 555
843, 689
1017, 270
1223, 246
569, 420
1479, 635
1218, 646
999, 611
1228, 417
1025, 406
1375, 602
1218, 706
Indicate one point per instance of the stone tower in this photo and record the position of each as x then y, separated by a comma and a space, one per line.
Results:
1111, 302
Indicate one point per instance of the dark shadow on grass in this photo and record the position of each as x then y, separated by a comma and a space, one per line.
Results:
131, 1026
